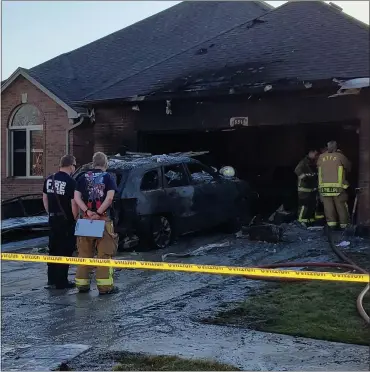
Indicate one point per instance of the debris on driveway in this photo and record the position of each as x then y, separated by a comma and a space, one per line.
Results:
281, 216
265, 232
41, 250
24, 223
344, 244
198, 252
22, 214
240, 235
29, 245
26, 205
64, 367
315, 228
40, 357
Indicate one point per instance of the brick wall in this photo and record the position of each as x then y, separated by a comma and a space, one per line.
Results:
82, 142
55, 123
114, 127
364, 152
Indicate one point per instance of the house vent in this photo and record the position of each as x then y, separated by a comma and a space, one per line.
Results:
335, 6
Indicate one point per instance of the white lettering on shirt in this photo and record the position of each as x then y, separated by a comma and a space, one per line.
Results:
60, 187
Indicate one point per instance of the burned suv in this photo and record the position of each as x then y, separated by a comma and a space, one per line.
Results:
160, 197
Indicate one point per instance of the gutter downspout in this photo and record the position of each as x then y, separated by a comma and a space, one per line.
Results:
80, 121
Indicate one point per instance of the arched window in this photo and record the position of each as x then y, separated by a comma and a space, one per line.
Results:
26, 142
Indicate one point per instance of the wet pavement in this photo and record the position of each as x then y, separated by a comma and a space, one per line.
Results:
159, 312
25, 245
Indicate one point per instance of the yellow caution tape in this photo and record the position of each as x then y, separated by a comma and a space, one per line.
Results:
194, 268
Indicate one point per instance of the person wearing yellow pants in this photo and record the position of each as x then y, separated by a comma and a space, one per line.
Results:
319, 214
105, 247
307, 188
94, 194
336, 208
333, 167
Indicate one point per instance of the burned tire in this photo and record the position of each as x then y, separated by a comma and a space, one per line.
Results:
160, 235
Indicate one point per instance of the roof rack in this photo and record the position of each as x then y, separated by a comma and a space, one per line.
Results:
131, 156
189, 153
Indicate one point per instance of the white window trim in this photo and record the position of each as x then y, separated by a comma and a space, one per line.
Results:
10, 141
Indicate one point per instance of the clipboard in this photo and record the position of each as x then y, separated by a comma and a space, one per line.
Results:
90, 228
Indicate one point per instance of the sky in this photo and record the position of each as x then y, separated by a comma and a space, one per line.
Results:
33, 32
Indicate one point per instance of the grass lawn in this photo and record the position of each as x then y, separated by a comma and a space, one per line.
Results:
315, 309
139, 362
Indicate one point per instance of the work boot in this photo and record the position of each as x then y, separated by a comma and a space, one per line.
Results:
112, 291
67, 285
83, 290
50, 286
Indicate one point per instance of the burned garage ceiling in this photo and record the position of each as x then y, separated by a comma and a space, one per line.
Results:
246, 78
297, 43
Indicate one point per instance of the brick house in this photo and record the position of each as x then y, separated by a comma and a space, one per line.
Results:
205, 67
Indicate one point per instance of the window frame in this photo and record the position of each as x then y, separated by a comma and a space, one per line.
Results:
10, 147
206, 168
160, 183
182, 165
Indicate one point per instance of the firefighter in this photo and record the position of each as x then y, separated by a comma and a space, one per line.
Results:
58, 199
306, 172
333, 167
320, 214
94, 195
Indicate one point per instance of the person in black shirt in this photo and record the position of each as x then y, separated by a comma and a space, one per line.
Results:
58, 199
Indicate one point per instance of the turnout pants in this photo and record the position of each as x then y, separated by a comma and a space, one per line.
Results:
62, 242
336, 208
106, 247
306, 206
319, 214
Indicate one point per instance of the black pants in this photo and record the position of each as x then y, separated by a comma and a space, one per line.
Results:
62, 242
306, 206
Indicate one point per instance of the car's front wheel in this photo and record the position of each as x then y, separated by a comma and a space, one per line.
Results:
160, 234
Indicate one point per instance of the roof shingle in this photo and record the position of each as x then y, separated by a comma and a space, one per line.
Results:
76, 74
305, 41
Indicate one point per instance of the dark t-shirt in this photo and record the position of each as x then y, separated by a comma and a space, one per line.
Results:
65, 186
94, 186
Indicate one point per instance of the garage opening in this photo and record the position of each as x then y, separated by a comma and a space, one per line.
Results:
264, 156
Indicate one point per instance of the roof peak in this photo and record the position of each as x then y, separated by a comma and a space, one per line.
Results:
264, 6
113, 64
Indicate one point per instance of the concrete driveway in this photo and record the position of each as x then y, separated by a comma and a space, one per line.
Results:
158, 313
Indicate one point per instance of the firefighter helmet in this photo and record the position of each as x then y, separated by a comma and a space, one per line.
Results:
227, 171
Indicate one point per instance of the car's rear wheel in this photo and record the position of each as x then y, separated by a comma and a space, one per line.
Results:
162, 232
160, 235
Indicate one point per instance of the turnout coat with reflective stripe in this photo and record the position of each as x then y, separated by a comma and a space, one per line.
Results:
332, 168
309, 182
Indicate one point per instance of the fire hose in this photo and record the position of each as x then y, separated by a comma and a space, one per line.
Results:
343, 257
348, 265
